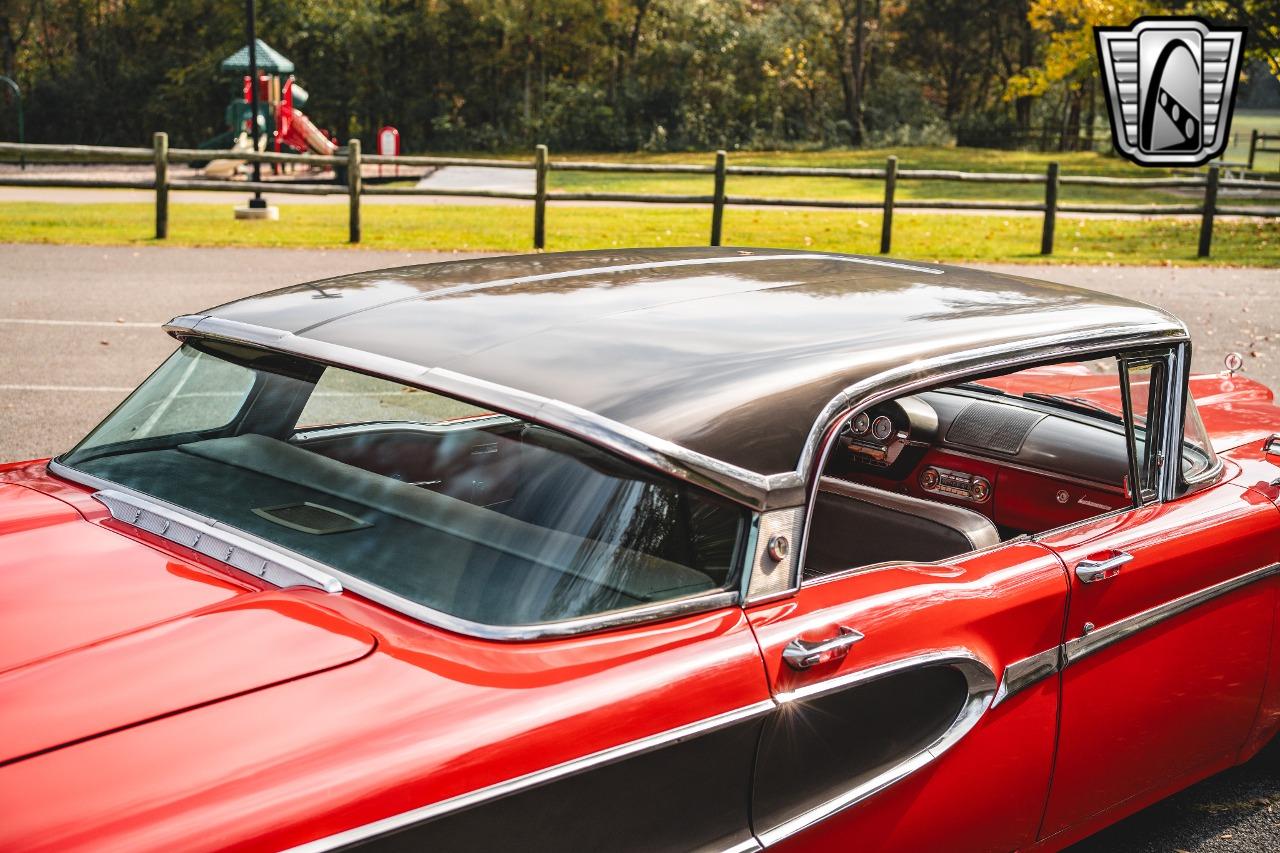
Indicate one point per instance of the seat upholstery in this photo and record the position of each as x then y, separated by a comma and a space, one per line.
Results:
857, 525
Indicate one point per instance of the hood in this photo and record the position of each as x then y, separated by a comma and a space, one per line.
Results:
99, 631
1236, 410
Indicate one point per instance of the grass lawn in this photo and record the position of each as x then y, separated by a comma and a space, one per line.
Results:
508, 229
1244, 121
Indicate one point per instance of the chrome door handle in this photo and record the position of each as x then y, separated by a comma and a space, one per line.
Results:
802, 654
1103, 567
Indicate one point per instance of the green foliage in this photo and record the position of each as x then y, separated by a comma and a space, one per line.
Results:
652, 75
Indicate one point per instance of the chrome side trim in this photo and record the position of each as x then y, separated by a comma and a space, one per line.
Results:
540, 777
982, 687
699, 603
215, 540
1020, 675
973, 526
1107, 635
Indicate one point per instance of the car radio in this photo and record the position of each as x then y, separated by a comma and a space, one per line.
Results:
956, 484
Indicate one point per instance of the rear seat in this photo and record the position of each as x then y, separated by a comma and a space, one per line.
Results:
856, 525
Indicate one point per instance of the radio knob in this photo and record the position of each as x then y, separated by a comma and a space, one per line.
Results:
980, 489
929, 479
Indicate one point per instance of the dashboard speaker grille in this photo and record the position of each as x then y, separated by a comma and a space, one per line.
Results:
991, 426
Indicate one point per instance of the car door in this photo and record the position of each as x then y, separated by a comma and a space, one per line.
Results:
917, 705
1168, 628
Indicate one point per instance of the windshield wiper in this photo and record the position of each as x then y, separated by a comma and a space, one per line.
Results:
1078, 404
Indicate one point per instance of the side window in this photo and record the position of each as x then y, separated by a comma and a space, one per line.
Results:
937, 474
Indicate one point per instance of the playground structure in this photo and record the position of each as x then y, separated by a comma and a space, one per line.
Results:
281, 122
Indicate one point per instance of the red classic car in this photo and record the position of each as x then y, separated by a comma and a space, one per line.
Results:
684, 549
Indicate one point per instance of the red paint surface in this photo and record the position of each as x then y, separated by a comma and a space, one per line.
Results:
205, 712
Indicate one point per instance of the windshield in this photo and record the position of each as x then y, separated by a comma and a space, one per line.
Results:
482, 516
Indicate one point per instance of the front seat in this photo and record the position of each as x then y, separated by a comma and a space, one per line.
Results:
856, 525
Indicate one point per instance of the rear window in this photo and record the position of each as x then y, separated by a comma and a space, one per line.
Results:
482, 516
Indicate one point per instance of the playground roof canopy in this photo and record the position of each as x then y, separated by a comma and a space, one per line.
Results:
268, 59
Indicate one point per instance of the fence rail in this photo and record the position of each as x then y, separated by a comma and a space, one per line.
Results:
350, 162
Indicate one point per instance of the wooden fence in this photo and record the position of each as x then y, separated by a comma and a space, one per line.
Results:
160, 155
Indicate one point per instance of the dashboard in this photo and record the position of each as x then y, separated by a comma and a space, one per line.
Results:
1027, 465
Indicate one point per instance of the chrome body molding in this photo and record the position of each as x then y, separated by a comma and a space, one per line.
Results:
1020, 675
1106, 635
982, 687
215, 540
541, 777
690, 605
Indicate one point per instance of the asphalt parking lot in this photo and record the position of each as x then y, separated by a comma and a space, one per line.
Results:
79, 328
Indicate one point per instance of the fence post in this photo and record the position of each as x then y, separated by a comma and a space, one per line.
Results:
1050, 209
890, 187
1210, 208
160, 143
1253, 146
717, 201
354, 187
540, 197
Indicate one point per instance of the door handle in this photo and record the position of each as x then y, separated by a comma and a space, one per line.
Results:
1101, 566
802, 654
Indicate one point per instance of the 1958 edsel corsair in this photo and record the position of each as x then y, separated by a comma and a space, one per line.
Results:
714, 549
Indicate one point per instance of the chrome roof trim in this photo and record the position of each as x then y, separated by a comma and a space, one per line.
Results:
756, 491
688, 606
752, 489
537, 778
1107, 635
982, 687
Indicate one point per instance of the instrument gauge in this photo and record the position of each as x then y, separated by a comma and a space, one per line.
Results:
881, 428
861, 424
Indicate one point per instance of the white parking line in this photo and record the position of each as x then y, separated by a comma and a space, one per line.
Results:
104, 323
105, 389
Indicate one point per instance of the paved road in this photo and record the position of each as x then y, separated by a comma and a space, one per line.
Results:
78, 329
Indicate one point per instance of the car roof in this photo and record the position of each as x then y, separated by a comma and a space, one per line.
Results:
731, 353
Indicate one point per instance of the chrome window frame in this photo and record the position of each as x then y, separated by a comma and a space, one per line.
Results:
879, 392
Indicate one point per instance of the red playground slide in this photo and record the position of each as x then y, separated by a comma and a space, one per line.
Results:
295, 129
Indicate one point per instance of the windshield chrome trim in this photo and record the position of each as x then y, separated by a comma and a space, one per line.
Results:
981, 682
690, 605
540, 777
